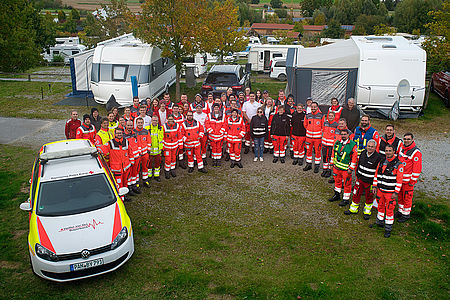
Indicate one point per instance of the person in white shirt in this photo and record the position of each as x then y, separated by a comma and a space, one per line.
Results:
162, 113
308, 105
249, 109
200, 117
210, 101
143, 115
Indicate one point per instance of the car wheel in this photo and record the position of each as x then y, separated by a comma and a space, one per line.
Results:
282, 77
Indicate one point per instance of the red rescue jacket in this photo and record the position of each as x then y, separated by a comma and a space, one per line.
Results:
172, 136
120, 154
192, 132
215, 127
86, 132
234, 129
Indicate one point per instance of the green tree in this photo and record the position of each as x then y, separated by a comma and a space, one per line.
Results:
308, 6
383, 29
413, 14
346, 11
364, 24
298, 27
61, 16
382, 10
333, 30
281, 13
319, 17
437, 43
276, 3
18, 47
255, 1
368, 7
74, 15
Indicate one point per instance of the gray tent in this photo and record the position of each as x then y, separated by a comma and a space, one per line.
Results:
323, 72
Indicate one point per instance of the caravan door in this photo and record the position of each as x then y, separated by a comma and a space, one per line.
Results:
267, 60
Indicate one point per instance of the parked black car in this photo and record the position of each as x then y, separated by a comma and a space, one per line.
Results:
221, 77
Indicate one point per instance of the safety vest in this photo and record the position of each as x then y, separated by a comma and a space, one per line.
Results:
157, 134
343, 154
105, 136
361, 138
112, 127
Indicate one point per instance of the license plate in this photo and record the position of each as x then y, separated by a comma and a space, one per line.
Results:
221, 88
86, 264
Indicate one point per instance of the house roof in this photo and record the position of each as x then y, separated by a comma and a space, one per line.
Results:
272, 26
314, 27
292, 34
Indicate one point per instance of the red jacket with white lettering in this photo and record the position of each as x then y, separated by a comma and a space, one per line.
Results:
86, 132
192, 132
412, 160
337, 111
71, 128
179, 119
144, 140
313, 125
120, 154
172, 136
131, 137
215, 127
329, 131
234, 129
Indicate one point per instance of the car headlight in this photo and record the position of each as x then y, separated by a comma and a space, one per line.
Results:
120, 238
44, 253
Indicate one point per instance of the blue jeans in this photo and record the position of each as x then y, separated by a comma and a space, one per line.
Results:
259, 146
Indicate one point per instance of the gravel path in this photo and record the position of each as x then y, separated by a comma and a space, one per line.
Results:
434, 179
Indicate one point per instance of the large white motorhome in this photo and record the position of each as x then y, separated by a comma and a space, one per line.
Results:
125, 66
198, 61
64, 47
261, 56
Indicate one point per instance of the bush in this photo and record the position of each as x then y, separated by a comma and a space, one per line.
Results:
58, 58
255, 2
281, 13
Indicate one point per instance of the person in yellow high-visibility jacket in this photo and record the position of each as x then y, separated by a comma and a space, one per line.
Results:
157, 134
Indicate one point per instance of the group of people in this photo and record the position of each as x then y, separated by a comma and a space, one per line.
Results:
154, 131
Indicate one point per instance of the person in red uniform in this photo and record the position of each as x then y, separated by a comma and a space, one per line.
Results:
192, 132
411, 157
144, 140
127, 114
336, 108
72, 125
280, 131
234, 132
298, 136
390, 138
86, 130
215, 127
120, 158
281, 99
313, 125
328, 138
171, 144
130, 136
386, 186
134, 109
199, 102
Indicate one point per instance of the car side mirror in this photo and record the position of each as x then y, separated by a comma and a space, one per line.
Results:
26, 206
123, 191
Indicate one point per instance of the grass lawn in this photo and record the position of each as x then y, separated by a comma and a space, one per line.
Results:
258, 232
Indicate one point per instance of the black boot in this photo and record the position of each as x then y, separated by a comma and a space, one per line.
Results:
227, 156
167, 174
403, 218
366, 217
275, 159
316, 168
331, 180
172, 172
239, 164
295, 161
205, 162
158, 179
387, 230
344, 202
307, 167
232, 164
191, 169
292, 154
126, 198
380, 223
282, 160
327, 174
136, 188
147, 182
300, 161
324, 173
266, 150
271, 151
219, 162
247, 149
183, 164
130, 191
203, 170
336, 197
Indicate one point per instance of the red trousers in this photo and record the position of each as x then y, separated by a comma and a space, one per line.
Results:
279, 145
170, 159
298, 146
134, 171
234, 149
326, 156
144, 165
360, 188
122, 178
247, 137
216, 149
311, 144
386, 207
197, 151
204, 143
342, 178
405, 199
154, 163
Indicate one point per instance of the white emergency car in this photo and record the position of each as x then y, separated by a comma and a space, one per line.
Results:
78, 223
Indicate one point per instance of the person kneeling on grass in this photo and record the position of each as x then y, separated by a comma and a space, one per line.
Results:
259, 130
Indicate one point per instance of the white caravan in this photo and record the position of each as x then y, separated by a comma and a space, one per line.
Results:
64, 47
198, 61
117, 62
261, 56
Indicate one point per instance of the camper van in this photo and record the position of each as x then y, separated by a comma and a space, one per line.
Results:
125, 67
261, 56
378, 71
64, 47
198, 61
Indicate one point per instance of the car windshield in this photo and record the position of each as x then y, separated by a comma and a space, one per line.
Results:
74, 195
218, 78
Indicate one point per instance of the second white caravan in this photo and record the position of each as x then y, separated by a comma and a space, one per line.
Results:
261, 56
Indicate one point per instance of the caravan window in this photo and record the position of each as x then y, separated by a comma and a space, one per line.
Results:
189, 59
153, 69
55, 52
261, 55
275, 55
94, 73
119, 72
75, 52
143, 74
105, 72
164, 61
